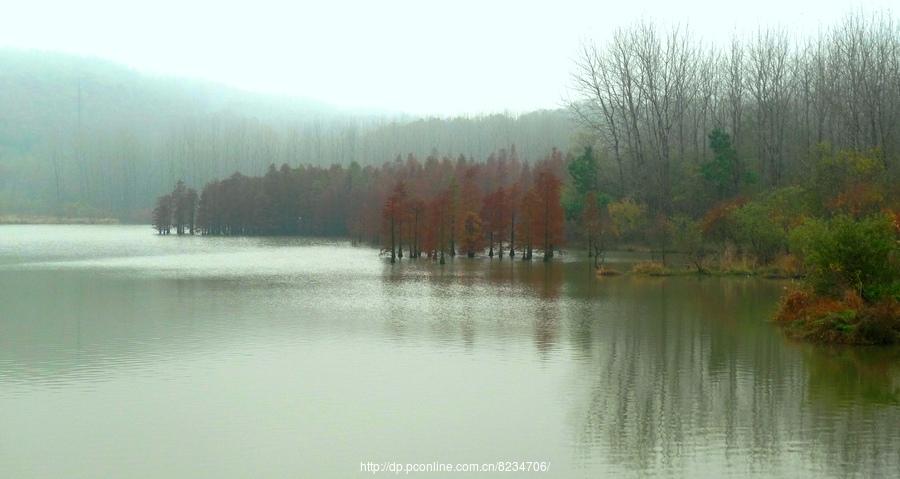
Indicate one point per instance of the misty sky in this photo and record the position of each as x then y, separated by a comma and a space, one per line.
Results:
413, 56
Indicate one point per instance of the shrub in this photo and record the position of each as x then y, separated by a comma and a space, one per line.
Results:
793, 304
757, 230
629, 218
848, 320
689, 240
650, 268
718, 225
848, 181
602, 271
880, 323
784, 266
844, 253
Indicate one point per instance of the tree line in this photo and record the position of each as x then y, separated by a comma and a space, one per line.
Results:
443, 207
177, 209
652, 97
716, 154
434, 208
726, 150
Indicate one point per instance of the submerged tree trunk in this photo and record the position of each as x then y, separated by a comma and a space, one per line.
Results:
512, 237
400, 240
443, 244
393, 255
414, 250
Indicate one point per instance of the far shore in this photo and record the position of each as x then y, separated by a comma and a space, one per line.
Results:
54, 220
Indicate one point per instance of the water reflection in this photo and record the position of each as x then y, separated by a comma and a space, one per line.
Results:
617, 375
840, 374
685, 384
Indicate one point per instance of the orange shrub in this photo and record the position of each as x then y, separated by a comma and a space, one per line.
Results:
849, 320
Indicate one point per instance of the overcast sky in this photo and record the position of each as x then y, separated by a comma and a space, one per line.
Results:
420, 57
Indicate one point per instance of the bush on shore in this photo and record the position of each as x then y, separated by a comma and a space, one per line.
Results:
852, 294
844, 253
848, 320
650, 268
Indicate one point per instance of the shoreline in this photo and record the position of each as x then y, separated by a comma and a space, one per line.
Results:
55, 220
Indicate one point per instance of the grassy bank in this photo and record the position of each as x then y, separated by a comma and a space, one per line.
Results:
785, 267
849, 268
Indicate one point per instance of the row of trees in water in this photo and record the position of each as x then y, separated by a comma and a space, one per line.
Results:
477, 209
434, 208
504, 206
177, 209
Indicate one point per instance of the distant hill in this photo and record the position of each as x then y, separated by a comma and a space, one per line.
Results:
43, 92
88, 137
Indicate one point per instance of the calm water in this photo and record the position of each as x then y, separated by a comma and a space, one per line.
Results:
123, 354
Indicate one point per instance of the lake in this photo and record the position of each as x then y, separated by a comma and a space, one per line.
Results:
125, 354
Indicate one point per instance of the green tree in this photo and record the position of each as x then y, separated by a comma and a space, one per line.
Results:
628, 217
162, 214
722, 172
758, 231
848, 181
583, 170
843, 253
597, 227
689, 240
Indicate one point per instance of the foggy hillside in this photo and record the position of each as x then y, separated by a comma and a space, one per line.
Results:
88, 137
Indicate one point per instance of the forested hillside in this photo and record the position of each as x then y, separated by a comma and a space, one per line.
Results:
652, 96
86, 137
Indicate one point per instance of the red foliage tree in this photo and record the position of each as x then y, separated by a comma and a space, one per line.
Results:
392, 215
439, 225
439, 206
416, 226
494, 214
527, 224
548, 229
468, 224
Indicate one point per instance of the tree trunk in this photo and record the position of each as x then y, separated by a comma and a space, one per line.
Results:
512, 237
393, 254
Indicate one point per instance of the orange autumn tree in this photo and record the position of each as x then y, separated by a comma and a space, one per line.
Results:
527, 225
412, 209
494, 212
453, 215
471, 239
467, 218
439, 225
517, 208
392, 215
416, 227
548, 228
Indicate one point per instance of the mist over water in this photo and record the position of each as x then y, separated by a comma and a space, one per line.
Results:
127, 355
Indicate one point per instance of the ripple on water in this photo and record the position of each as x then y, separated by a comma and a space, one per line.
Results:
186, 351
